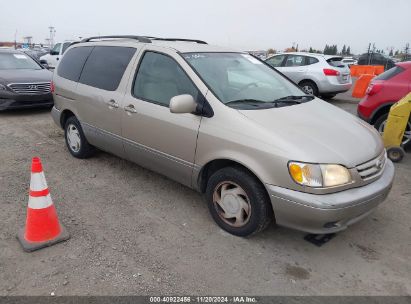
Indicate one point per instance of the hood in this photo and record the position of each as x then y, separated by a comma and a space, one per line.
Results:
25, 76
318, 132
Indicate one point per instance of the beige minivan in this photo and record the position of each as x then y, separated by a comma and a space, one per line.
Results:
226, 124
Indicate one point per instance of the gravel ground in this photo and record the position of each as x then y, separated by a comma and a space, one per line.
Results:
135, 232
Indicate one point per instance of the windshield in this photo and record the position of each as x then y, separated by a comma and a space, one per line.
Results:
235, 77
17, 61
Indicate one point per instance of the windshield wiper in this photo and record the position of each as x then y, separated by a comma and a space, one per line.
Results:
294, 99
247, 101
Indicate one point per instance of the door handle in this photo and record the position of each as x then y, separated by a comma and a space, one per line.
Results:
130, 109
112, 104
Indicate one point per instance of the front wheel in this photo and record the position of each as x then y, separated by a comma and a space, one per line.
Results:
309, 87
76, 142
238, 202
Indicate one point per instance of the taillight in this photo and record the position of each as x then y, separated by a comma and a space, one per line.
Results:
331, 72
373, 88
52, 87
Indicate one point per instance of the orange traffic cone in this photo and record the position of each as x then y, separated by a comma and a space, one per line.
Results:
42, 225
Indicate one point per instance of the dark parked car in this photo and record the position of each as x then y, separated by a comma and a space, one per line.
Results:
376, 59
24, 82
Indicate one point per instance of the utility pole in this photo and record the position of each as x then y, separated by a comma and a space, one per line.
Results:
15, 40
368, 53
52, 34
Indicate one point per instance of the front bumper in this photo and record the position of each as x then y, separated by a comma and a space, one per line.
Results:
18, 101
329, 213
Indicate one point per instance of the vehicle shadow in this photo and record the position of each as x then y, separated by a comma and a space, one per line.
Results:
24, 112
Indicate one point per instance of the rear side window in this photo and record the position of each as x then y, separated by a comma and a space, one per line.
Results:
105, 67
72, 63
295, 60
390, 73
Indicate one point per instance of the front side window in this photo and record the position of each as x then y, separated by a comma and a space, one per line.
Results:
56, 49
295, 61
159, 78
17, 61
105, 66
275, 61
65, 46
240, 80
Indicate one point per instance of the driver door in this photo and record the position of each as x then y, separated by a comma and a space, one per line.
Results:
154, 137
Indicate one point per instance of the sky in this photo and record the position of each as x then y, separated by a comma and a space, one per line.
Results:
238, 24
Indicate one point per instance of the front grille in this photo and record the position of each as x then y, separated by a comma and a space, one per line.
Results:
373, 167
31, 88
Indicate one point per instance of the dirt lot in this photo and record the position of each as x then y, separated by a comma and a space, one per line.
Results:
136, 232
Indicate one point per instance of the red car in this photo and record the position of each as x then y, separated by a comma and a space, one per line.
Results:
383, 91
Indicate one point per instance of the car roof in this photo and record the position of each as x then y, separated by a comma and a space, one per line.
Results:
301, 53
179, 46
404, 64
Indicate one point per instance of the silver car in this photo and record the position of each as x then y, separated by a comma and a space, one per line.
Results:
316, 74
225, 124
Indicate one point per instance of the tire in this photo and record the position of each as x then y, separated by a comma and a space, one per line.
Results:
328, 96
380, 123
241, 189
309, 87
395, 154
76, 142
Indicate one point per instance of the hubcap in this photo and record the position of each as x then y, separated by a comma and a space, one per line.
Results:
73, 138
232, 204
308, 89
407, 134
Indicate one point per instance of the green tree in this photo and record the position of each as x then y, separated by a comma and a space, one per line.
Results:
344, 51
391, 53
348, 50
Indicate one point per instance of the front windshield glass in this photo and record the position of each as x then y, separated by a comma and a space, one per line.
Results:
240, 77
17, 61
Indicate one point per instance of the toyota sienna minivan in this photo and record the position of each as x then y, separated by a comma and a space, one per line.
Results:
226, 124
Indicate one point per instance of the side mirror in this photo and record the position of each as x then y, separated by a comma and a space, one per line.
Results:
44, 63
183, 104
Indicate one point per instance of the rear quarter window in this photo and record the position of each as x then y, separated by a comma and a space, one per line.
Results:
105, 67
390, 73
72, 63
311, 60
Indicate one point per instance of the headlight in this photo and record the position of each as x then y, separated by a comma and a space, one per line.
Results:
2, 87
319, 175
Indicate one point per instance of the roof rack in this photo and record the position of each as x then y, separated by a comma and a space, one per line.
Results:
138, 38
178, 39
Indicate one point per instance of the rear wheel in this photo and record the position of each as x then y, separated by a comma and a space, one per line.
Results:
380, 126
238, 202
76, 142
396, 154
309, 87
